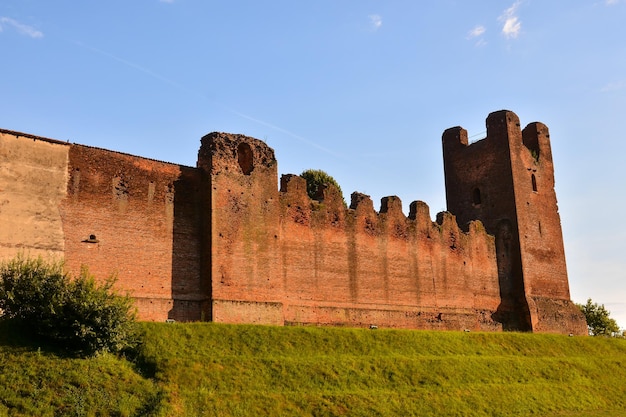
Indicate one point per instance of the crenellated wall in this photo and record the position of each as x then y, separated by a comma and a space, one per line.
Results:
280, 257
224, 242
354, 266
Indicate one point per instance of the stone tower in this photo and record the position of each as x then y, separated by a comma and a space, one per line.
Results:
507, 182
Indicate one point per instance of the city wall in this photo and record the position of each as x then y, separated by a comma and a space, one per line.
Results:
225, 242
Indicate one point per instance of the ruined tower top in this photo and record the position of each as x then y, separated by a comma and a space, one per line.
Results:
506, 181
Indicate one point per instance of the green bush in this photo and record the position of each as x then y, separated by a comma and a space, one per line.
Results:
599, 321
315, 178
75, 313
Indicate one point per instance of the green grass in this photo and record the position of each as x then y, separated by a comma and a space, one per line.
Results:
226, 370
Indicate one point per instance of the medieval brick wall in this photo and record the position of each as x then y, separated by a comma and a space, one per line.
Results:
140, 220
224, 242
358, 267
284, 258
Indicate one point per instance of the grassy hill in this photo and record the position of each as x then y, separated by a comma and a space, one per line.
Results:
206, 369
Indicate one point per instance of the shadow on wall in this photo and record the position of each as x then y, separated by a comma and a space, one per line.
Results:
513, 309
187, 205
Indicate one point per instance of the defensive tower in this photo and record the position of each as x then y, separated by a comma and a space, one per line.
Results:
506, 181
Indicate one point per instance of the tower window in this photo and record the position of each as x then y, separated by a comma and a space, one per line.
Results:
533, 179
476, 199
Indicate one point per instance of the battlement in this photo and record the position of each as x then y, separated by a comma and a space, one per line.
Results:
503, 127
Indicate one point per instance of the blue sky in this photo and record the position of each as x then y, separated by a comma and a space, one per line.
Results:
361, 89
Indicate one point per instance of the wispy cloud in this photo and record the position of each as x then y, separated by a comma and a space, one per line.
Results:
21, 28
511, 26
476, 34
376, 21
611, 2
166, 1
202, 96
615, 86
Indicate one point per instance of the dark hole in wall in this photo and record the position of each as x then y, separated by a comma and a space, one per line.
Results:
533, 179
476, 198
245, 159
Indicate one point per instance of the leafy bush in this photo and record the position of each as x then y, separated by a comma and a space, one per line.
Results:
315, 178
598, 319
73, 312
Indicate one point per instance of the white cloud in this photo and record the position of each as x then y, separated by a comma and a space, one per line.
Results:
512, 26
476, 32
20, 27
611, 2
376, 21
166, 1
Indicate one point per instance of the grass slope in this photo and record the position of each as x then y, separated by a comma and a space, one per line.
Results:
225, 370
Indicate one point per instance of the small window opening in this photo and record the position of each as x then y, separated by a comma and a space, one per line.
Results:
245, 159
476, 200
533, 179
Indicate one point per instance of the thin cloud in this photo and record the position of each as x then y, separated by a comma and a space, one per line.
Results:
611, 2
511, 26
21, 28
193, 92
166, 1
476, 32
376, 21
619, 85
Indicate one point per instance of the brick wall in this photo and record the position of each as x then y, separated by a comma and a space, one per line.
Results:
222, 242
507, 181
139, 219
284, 258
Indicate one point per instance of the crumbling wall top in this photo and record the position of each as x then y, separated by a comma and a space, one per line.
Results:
224, 152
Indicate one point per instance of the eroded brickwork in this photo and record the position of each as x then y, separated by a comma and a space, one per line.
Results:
225, 242
507, 181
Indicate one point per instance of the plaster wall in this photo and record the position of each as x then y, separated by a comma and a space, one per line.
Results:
33, 182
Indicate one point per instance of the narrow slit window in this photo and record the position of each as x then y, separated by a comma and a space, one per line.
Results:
476, 199
533, 179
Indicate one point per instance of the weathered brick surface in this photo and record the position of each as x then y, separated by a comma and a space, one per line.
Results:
141, 220
33, 182
507, 181
223, 242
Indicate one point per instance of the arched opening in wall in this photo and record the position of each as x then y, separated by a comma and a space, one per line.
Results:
245, 159
476, 198
533, 179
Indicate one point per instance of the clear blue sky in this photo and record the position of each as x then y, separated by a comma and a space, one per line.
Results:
361, 89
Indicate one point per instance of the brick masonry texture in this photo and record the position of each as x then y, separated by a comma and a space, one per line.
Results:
224, 242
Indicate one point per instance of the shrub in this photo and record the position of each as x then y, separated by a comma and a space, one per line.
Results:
74, 312
599, 321
315, 178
